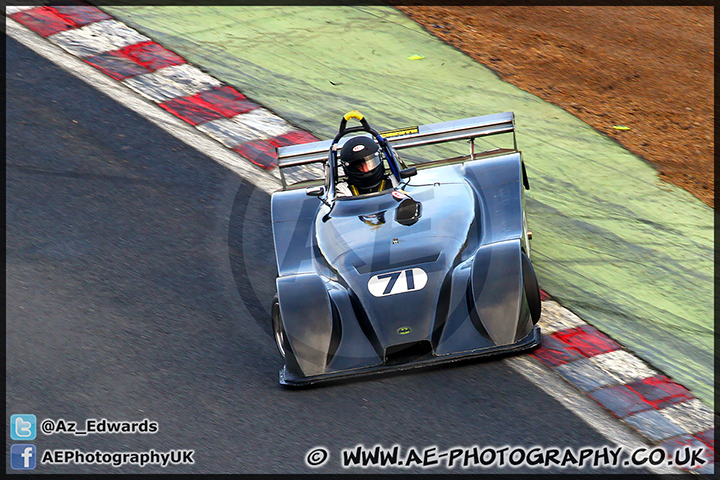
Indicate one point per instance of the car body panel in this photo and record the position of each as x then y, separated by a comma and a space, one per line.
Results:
433, 270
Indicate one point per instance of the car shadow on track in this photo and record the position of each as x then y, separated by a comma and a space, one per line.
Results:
252, 257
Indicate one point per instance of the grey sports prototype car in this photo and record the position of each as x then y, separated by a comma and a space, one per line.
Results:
434, 269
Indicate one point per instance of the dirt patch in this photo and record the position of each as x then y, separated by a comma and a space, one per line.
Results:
647, 68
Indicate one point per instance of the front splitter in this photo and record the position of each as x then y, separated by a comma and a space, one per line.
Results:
533, 339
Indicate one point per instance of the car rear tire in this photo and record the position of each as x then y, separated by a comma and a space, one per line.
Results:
532, 289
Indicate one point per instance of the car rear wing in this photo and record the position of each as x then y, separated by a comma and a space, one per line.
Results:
464, 129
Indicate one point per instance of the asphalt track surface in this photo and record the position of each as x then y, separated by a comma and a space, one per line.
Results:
139, 273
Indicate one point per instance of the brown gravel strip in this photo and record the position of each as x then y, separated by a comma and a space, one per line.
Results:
649, 68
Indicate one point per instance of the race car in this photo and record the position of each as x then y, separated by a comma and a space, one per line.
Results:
434, 268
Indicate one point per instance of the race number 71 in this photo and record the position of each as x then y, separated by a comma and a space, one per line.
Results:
397, 282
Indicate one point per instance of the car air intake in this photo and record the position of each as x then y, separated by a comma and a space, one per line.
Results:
408, 352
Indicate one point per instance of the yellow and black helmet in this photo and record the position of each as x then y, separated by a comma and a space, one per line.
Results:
362, 161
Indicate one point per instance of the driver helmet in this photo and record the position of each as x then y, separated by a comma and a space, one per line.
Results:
360, 157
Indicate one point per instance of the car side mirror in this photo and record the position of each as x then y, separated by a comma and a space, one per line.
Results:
315, 191
408, 172
408, 212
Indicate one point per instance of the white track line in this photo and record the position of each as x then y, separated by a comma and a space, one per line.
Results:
15, 9
149, 110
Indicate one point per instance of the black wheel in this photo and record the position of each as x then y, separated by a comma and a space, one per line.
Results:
278, 331
532, 289
281, 339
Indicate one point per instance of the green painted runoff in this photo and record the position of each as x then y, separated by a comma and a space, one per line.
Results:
627, 252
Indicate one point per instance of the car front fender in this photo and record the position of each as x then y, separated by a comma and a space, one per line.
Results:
306, 314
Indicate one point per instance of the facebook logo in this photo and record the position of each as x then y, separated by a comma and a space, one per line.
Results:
22, 457
23, 427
